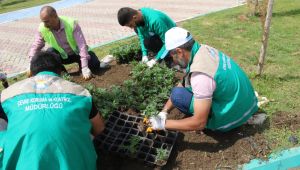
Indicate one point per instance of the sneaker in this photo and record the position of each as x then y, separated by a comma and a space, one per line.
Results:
108, 59
257, 119
104, 65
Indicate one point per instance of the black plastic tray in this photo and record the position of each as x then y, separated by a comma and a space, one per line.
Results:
120, 127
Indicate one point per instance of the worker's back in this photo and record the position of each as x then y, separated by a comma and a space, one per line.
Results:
48, 125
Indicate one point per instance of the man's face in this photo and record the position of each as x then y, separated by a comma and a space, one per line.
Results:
178, 56
135, 22
50, 21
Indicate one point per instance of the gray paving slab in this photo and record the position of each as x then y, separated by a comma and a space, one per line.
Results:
98, 22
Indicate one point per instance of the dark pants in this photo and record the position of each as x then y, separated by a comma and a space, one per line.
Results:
2, 114
154, 44
93, 62
181, 98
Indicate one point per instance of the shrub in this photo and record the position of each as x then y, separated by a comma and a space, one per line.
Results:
127, 52
146, 92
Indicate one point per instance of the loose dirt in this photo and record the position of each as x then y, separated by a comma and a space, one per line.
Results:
195, 150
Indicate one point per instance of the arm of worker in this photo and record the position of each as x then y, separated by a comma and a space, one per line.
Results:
97, 121
141, 39
37, 45
83, 51
161, 29
203, 87
82, 46
196, 122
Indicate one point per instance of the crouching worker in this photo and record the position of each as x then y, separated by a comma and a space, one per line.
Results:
49, 121
65, 38
151, 26
215, 93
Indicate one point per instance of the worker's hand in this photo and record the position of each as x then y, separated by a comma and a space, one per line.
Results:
2, 76
145, 59
158, 122
86, 73
151, 63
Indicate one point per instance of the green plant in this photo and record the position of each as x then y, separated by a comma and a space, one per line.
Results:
67, 76
133, 144
125, 53
162, 154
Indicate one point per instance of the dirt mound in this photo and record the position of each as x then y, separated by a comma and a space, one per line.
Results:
115, 75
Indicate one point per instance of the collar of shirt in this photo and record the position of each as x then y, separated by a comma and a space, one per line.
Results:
61, 26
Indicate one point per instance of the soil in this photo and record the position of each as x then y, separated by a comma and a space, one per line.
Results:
196, 150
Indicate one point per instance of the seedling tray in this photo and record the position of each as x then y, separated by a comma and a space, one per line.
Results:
121, 127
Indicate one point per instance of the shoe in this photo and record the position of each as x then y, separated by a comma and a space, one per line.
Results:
104, 65
257, 119
108, 59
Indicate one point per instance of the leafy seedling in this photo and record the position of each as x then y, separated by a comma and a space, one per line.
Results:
133, 144
161, 157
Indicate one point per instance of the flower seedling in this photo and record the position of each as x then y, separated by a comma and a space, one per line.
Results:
133, 144
161, 157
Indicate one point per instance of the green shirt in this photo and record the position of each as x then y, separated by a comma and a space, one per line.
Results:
49, 126
156, 23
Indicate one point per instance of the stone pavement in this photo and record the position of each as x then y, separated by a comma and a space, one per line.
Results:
98, 21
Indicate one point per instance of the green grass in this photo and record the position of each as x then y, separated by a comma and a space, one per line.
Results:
12, 5
239, 36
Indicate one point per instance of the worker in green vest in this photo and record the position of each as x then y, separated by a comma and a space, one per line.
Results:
49, 121
65, 38
150, 26
216, 93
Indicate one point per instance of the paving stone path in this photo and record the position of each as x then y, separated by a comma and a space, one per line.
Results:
97, 19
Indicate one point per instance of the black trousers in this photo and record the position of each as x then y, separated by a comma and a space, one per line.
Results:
154, 44
93, 62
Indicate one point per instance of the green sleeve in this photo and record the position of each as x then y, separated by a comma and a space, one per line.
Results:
161, 29
141, 38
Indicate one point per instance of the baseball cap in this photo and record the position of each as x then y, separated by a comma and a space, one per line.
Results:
176, 37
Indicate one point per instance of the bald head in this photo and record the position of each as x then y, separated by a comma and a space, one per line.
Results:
49, 17
48, 10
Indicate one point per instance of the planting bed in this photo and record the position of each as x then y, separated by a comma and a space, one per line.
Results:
121, 128
194, 150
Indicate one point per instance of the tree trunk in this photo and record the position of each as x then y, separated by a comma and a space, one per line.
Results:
265, 37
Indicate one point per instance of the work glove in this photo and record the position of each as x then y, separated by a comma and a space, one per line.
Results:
151, 63
158, 122
86, 73
145, 59
2, 76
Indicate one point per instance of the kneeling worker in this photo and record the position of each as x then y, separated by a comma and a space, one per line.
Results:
66, 39
216, 93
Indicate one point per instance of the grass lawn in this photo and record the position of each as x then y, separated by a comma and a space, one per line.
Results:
12, 5
239, 36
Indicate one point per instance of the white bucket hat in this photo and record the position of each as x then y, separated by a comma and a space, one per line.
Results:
176, 37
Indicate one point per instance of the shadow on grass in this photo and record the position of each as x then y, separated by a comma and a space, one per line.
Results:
287, 13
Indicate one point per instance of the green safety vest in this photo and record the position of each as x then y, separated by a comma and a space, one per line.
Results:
234, 100
49, 125
50, 38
